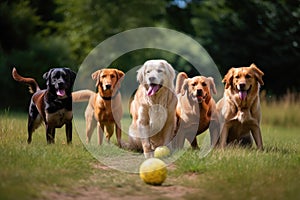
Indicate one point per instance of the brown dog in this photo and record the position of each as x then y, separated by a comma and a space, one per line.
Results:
53, 105
195, 108
105, 107
153, 107
239, 109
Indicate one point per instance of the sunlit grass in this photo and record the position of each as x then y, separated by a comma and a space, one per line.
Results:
27, 169
30, 171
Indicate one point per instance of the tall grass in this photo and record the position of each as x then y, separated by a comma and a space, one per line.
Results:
282, 111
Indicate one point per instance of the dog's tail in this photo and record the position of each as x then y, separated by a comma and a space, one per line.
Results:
33, 85
82, 95
179, 81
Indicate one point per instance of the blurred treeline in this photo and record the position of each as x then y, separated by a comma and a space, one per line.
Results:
36, 35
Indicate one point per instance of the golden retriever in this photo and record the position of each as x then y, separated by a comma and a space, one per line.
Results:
104, 109
195, 108
239, 109
153, 107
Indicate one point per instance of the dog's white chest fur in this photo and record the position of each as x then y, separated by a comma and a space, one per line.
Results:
158, 116
242, 116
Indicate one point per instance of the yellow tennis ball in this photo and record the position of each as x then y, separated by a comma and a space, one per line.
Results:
153, 171
161, 152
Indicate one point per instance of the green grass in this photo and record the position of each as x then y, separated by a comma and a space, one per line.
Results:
238, 173
26, 170
38, 170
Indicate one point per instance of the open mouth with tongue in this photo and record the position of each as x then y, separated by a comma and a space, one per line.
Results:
60, 92
243, 93
153, 89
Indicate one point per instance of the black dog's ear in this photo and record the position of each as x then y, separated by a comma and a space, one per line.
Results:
72, 75
47, 76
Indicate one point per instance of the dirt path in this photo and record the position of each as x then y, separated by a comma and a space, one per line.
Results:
112, 185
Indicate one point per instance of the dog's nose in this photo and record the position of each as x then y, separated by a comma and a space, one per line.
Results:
242, 86
61, 84
108, 86
199, 92
151, 79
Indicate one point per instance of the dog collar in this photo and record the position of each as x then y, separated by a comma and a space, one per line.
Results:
110, 98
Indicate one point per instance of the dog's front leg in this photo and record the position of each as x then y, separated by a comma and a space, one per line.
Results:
214, 130
50, 134
144, 130
118, 133
69, 132
90, 122
148, 152
224, 136
100, 129
256, 133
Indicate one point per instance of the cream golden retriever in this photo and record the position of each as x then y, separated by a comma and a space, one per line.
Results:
239, 109
153, 107
104, 109
195, 109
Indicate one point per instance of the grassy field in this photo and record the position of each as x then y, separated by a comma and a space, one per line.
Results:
40, 171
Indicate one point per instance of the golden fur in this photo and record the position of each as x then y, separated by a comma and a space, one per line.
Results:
239, 109
153, 107
105, 107
195, 107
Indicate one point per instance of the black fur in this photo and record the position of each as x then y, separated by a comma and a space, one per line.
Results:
53, 105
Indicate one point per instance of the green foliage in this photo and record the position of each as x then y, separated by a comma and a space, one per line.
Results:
18, 24
38, 34
238, 33
87, 23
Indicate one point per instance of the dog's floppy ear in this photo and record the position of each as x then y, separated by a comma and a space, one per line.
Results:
212, 85
170, 69
179, 81
120, 74
72, 75
47, 76
258, 73
140, 74
120, 77
96, 77
228, 78
185, 86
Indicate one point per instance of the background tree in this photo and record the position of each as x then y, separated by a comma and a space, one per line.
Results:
237, 33
39, 34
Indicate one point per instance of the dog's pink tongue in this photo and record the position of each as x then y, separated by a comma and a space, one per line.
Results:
61, 93
243, 94
152, 90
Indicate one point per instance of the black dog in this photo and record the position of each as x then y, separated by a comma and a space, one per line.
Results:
53, 105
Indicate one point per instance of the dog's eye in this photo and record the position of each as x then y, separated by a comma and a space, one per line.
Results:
103, 76
112, 76
237, 76
55, 76
159, 71
148, 71
204, 84
194, 84
248, 76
